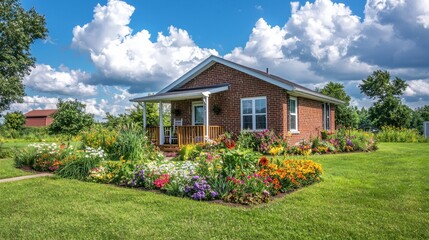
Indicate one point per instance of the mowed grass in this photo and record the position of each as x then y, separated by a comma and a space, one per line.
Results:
379, 195
8, 170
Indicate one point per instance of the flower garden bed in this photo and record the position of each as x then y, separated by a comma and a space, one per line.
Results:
233, 170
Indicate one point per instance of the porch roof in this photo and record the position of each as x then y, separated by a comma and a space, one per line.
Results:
183, 94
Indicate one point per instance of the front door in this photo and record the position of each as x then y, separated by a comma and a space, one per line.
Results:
197, 113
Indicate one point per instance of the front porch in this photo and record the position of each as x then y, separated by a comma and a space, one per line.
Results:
182, 135
193, 124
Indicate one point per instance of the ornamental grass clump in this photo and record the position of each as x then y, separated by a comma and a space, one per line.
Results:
80, 167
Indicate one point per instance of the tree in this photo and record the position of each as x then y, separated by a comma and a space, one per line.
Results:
14, 120
135, 115
419, 116
364, 121
18, 30
388, 110
345, 115
70, 118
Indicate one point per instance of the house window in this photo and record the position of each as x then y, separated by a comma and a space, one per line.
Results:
326, 116
293, 114
254, 113
197, 113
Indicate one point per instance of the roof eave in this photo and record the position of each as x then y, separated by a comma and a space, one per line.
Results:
315, 96
180, 96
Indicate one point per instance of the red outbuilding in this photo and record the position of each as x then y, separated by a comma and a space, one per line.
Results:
39, 118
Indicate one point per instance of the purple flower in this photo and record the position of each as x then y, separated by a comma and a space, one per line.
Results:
194, 178
213, 194
199, 189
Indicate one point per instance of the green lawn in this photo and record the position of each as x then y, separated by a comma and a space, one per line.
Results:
380, 195
7, 170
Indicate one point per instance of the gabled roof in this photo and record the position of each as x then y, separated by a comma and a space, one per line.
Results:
40, 113
291, 87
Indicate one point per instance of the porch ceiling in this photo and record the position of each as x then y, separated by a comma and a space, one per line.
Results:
183, 94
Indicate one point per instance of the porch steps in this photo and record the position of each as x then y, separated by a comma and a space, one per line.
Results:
169, 148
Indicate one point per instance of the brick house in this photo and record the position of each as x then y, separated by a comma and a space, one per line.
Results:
39, 118
239, 98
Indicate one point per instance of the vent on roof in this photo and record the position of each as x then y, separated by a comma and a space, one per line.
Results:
426, 127
267, 71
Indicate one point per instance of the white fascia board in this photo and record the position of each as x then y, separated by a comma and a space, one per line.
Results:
167, 98
180, 95
314, 96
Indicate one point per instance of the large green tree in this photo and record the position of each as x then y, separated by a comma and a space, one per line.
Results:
70, 118
18, 30
14, 120
345, 115
388, 110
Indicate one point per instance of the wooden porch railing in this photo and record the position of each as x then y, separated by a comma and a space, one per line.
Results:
185, 134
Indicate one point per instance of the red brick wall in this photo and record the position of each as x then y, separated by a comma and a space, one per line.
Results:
310, 121
241, 86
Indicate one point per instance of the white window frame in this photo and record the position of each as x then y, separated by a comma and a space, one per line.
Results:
326, 116
295, 129
197, 104
254, 114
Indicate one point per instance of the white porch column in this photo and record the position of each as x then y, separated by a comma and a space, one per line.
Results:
144, 115
161, 125
206, 115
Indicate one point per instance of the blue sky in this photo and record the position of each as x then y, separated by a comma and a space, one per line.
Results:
105, 52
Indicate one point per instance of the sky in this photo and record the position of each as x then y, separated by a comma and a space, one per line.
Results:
105, 52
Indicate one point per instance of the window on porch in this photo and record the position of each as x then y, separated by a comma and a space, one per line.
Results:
197, 113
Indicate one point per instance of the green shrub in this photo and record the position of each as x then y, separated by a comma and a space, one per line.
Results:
393, 134
99, 136
237, 162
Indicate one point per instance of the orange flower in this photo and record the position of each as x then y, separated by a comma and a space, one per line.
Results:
229, 143
263, 161
276, 184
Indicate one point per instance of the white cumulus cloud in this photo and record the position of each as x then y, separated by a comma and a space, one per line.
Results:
44, 78
126, 58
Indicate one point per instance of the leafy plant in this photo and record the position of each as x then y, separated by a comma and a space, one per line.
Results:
236, 162
80, 168
394, 134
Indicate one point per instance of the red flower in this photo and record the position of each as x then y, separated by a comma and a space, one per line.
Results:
263, 161
162, 180
229, 143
